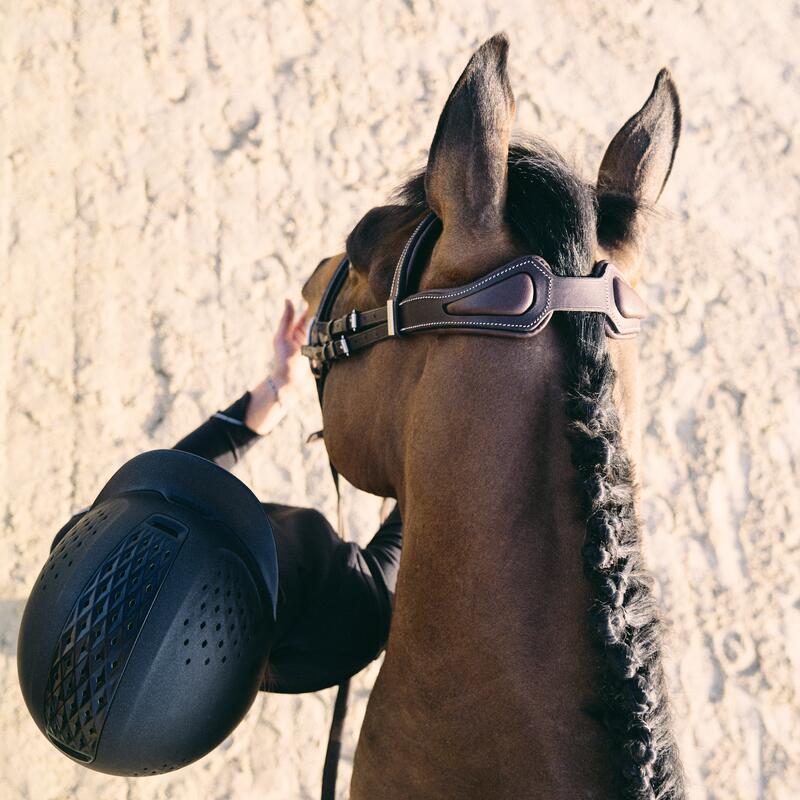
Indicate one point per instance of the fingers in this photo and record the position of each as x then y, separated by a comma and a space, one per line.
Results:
299, 330
285, 325
291, 330
303, 318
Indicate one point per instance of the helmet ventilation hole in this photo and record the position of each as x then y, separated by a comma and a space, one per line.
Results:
229, 615
66, 550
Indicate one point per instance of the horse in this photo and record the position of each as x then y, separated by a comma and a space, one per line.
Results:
525, 652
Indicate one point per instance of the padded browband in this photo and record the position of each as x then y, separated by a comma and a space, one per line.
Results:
519, 299
516, 299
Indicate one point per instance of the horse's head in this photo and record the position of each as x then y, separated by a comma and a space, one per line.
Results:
497, 200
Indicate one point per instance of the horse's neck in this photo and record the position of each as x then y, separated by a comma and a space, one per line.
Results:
489, 638
492, 579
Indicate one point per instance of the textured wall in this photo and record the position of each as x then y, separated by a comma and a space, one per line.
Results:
170, 170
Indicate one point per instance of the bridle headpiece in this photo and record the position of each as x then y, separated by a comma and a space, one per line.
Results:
516, 299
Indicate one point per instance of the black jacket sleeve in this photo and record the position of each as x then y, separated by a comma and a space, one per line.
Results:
223, 438
335, 600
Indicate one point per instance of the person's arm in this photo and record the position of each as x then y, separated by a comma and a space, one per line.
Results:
383, 552
342, 622
224, 437
227, 435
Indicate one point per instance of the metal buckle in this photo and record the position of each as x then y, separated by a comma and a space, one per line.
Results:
345, 348
391, 319
352, 320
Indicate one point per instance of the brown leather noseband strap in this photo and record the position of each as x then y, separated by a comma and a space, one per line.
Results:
516, 299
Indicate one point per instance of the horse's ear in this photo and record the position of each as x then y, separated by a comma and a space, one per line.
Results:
639, 159
634, 170
467, 175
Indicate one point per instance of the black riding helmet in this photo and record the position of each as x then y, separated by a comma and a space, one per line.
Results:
146, 634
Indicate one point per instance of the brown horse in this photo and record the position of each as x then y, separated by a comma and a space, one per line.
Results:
513, 464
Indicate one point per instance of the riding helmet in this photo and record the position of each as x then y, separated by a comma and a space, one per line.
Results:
146, 635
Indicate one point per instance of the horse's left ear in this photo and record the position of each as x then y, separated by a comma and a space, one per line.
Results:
637, 163
467, 175
639, 159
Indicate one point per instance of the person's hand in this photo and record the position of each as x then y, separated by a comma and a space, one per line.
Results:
267, 400
289, 364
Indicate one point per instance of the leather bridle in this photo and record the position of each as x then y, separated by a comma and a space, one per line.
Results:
516, 299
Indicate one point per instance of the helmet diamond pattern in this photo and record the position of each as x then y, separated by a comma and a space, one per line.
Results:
99, 634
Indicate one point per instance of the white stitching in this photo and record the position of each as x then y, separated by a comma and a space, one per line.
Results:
477, 324
397, 269
545, 310
456, 293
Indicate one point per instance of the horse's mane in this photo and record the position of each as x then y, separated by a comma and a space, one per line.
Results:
558, 215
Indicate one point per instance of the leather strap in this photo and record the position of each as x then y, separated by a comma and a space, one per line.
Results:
352, 322
493, 311
516, 299
430, 227
330, 769
607, 292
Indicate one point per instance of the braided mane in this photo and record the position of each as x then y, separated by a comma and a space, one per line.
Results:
557, 215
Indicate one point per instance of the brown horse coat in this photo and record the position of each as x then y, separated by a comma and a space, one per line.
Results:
494, 685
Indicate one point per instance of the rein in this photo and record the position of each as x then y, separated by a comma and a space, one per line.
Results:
516, 299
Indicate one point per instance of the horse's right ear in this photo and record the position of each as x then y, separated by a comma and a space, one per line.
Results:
636, 165
639, 159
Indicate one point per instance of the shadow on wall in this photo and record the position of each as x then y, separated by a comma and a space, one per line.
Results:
10, 617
